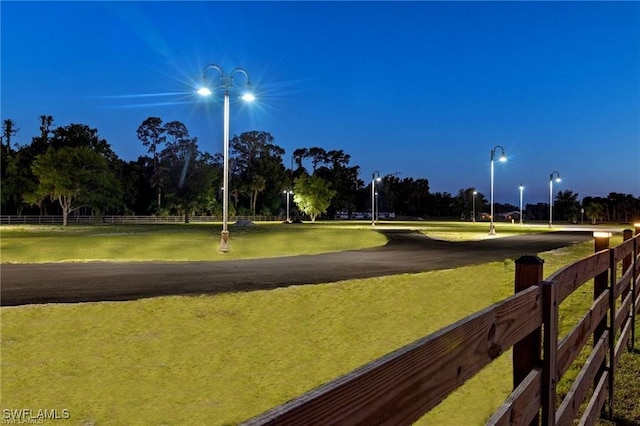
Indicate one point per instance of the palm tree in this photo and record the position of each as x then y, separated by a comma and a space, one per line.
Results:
257, 186
567, 205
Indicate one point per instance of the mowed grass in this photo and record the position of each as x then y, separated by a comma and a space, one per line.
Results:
181, 242
198, 242
222, 359
227, 357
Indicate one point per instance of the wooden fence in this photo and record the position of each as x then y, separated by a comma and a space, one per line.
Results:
96, 220
401, 387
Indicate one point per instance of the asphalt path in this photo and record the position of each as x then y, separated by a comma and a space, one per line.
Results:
405, 252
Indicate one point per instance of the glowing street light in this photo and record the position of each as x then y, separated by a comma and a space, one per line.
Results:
554, 173
226, 84
521, 188
502, 158
287, 193
374, 177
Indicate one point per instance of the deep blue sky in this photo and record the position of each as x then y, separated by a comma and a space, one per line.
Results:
425, 89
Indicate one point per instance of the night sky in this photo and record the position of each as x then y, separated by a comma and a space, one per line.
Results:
420, 89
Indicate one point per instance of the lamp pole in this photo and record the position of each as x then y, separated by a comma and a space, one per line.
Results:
551, 195
373, 196
521, 187
287, 193
226, 84
474, 206
502, 158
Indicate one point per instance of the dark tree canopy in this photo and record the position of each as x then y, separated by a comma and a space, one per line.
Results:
176, 177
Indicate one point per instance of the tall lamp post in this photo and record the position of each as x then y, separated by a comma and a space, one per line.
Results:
287, 193
502, 158
554, 173
226, 84
521, 188
374, 177
474, 206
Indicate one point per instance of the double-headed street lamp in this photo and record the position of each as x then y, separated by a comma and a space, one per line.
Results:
521, 188
502, 158
226, 84
374, 177
554, 173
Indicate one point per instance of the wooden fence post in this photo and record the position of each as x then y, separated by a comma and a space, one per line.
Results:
600, 281
550, 357
600, 284
627, 234
634, 288
626, 262
526, 353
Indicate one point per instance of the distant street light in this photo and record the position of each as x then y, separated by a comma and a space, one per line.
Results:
502, 158
551, 195
373, 196
287, 194
521, 191
226, 84
474, 205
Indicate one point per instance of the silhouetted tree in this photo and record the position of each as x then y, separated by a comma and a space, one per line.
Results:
151, 134
9, 130
255, 158
567, 206
75, 177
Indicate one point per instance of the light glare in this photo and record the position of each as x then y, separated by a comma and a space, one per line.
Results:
248, 97
599, 234
204, 91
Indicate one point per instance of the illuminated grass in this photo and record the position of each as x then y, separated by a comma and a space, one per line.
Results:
228, 357
222, 359
232, 356
34, 244
467, 231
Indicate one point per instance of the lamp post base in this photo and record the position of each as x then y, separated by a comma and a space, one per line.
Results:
492, 229
224, 242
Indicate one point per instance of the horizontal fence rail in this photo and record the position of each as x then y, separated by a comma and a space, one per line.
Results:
401, 387
141, 220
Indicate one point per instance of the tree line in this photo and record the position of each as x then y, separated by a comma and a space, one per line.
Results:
71, 169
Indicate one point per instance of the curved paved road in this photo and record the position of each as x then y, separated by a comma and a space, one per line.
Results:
405, 252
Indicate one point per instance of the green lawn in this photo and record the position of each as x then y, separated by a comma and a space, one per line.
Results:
222, 359
34, 244
228, 357
177, 242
